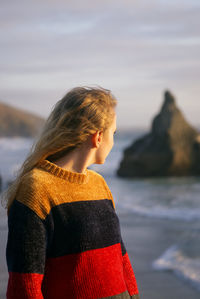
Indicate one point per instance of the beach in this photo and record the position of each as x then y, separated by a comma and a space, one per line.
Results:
145, 240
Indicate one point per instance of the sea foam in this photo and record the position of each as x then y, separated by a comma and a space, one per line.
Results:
182, 265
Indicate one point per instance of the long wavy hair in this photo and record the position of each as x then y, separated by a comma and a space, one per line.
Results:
81, 112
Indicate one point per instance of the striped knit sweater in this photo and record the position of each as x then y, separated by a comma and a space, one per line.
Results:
64, 238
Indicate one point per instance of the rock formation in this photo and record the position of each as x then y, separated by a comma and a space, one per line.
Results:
17, 122
172, 148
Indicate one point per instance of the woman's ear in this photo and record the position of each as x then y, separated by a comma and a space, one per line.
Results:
97, 138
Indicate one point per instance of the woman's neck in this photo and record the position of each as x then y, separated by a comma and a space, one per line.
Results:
75, 161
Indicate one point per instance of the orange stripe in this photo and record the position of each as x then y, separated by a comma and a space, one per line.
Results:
41, 191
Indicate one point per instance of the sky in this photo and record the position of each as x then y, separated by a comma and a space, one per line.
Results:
137, 49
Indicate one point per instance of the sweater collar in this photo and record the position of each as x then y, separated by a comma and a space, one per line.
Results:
73, 177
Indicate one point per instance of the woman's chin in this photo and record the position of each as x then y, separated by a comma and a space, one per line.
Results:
100, 161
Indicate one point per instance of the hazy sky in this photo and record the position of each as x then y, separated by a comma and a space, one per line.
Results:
137, 49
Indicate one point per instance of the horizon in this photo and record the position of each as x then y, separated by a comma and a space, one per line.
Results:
122, 129
50, 47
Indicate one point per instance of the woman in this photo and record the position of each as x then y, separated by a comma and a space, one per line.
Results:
64, 238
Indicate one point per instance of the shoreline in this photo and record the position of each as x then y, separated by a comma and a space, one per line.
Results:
146, 239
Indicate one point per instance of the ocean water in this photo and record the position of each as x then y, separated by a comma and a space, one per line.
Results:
170, 198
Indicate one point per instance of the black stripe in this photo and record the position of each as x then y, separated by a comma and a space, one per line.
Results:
83, 225
123, 248
69, 228
26, 244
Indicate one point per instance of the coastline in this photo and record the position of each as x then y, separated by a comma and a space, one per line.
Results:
146, 239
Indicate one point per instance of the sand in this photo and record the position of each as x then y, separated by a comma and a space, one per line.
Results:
146, 239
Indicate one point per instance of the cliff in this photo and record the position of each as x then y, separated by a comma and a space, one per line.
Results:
171, 148
17, 122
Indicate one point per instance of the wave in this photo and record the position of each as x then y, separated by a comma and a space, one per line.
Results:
185, 267
160, 212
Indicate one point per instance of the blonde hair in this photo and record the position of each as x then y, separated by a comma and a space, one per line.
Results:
81, 112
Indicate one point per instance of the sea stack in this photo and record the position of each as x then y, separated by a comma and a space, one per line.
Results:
172, 148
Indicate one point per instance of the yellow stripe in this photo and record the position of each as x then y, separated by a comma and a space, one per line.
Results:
41, 191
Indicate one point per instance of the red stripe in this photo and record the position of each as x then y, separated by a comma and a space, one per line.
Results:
24, 285
91, 274
129, 276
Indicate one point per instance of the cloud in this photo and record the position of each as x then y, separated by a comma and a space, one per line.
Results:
134, 47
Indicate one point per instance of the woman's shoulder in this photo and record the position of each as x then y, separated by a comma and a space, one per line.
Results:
34, 181
33, 192
95, 174
97, 177
100, 179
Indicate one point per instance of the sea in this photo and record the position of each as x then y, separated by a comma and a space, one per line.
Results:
174, 198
